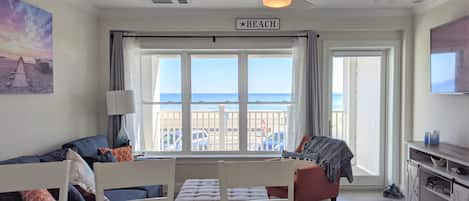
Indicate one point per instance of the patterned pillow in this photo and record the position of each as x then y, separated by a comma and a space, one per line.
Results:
37, 195
121, 154
80, 173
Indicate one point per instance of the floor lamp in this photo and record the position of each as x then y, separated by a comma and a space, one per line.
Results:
121, 103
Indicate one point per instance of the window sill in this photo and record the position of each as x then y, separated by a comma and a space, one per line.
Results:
207, 156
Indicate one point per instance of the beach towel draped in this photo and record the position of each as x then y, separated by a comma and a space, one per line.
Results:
333, 155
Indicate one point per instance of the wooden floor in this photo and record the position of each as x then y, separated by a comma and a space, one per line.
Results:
362, 195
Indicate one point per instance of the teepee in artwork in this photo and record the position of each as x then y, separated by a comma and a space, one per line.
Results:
20, 75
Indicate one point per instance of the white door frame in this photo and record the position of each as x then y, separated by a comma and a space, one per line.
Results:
351, 98
393, 100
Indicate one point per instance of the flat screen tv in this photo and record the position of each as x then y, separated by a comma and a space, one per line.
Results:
450, 57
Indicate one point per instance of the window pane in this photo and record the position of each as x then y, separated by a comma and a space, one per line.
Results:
214, 78
161, 78
215, 127
162, 127
338, 83
267, 127
270, 78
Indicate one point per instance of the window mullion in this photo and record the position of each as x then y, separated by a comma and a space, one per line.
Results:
243, 100
186, 102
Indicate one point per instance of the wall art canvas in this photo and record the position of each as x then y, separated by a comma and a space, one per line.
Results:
26, 52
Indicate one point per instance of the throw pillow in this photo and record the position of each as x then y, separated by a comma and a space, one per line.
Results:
101, 158
56, 155
81, 176
37, 195
80, 173
121, 154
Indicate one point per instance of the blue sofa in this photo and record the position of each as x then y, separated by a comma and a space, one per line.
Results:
88, 149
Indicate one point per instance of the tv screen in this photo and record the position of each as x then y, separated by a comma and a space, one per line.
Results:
450, 57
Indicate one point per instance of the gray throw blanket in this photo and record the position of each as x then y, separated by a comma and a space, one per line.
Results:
330, 154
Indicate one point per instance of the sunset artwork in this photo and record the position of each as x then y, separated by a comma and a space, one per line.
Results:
26, 53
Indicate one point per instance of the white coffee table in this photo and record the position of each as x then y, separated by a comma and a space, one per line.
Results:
208, 190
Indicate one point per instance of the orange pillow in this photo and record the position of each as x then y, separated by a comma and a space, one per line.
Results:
121, 154
37, 195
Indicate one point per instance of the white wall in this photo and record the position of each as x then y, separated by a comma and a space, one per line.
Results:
431, 111
31, 124
332, 24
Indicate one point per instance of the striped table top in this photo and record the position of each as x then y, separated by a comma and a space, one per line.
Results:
208, 190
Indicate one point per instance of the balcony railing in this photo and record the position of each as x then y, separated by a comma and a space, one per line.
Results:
338, 126
219, 130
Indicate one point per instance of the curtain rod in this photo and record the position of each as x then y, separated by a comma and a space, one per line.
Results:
214, 37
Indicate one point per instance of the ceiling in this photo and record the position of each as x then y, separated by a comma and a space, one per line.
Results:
226, 4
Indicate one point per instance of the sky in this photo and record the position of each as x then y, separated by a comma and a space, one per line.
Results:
338, 75
220, 75
25, 30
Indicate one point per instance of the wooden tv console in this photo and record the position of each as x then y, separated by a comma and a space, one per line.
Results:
429, 182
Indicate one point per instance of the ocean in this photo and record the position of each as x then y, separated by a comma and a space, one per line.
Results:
337, 102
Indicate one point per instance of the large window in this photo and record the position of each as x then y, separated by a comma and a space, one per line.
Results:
216, 101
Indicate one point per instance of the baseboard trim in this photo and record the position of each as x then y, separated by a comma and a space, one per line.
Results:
352, 187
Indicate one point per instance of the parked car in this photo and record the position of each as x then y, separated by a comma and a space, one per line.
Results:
172, 141
273, 142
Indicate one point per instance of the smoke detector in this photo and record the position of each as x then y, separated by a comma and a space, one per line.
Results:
181, 2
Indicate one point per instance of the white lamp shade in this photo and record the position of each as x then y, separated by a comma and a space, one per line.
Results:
120, 102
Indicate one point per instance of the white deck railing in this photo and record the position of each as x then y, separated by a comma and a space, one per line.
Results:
219, 130
338, 126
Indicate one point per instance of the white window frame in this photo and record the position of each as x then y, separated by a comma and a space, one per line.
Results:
393, 141
242, 55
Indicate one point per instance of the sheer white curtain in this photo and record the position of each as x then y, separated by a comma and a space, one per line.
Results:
132, 82
297, 112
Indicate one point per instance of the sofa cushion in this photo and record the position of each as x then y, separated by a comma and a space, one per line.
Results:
125, 194
88, 147
56, 155
21, 160
101, 158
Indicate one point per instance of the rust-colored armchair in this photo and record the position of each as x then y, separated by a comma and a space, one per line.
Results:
311, 183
